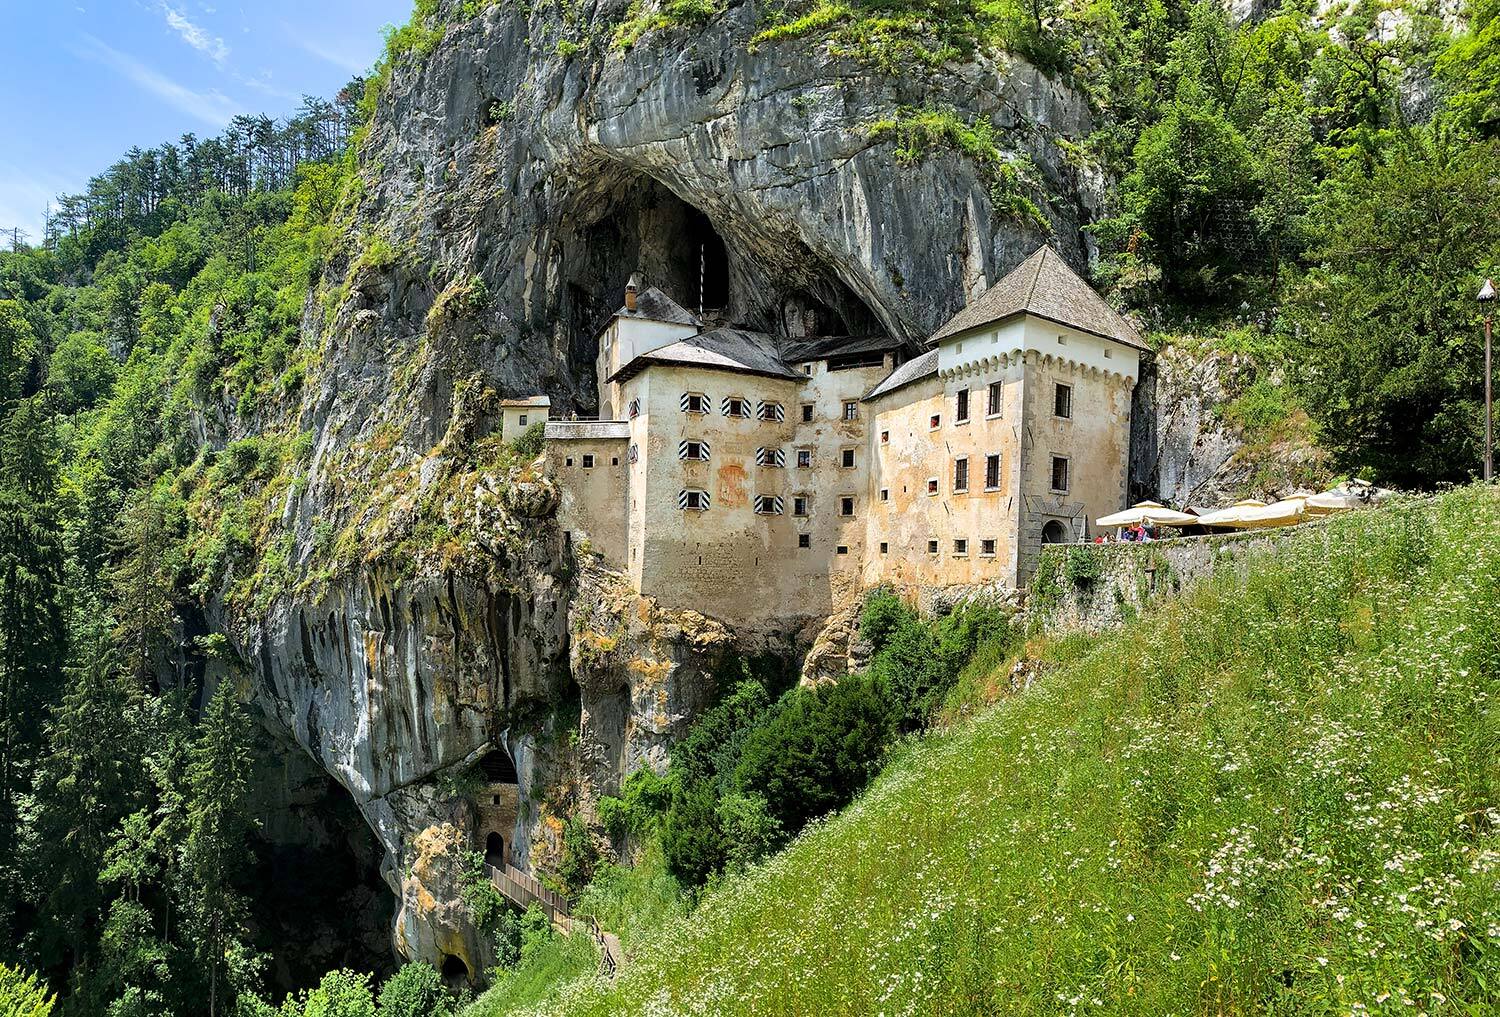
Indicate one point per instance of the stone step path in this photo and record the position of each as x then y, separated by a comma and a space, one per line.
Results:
524, 890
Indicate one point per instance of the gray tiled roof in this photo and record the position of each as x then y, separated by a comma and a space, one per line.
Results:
652, 303
725, 349
1045, 286
913, 370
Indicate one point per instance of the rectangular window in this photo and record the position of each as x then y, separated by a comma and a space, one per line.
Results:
934, 422
568, 461
841, 549
1062, 400
588, 461
1060, 474
770, 411
734, 406
994, 404
932, 485
960, 547
961, 411
694, 402
807, 412
804, 540
691, 500
851, 411
932, 547
885, 437
992, 472
846, 506
960, 474
885, 548
614, 460
807, 368
804, 458
634, 409
799, 504
987, 547
885, 494
769, 505
691, 449
846, 459
521, 420
772, 457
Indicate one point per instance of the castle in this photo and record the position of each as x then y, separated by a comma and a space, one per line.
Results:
752, 477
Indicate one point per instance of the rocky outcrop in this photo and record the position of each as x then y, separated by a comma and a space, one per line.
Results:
510, 185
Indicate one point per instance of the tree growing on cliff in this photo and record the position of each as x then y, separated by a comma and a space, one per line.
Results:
218, 827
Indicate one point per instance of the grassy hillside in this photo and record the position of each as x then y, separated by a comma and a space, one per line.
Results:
1275, 796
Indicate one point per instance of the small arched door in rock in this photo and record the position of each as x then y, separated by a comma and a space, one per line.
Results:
494, 850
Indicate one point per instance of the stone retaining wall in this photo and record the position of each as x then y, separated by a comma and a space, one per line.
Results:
1092, 587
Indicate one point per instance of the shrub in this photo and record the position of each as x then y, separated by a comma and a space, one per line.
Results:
530, 442
416, 990
23, 995
817, 752
711, 749
579, 856
750, 830
692, 837
643, 798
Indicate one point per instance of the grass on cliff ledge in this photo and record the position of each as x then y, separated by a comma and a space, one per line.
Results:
1276, 796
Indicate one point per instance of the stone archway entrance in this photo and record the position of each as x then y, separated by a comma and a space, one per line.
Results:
494, 850
1055, 532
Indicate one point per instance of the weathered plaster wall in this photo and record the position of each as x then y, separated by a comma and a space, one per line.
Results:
592, 500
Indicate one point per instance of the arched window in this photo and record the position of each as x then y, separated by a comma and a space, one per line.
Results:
1054, 532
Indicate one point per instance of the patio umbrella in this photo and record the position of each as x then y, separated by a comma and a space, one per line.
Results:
1254, 515
1144, 513
1351, 494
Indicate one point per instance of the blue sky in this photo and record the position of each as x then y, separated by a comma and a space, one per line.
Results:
82, 81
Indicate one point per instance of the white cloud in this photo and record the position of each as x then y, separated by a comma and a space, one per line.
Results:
212, 107
330, 54
194, 35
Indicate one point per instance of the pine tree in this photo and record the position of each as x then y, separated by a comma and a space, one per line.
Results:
215, 853
143, 582
33, 632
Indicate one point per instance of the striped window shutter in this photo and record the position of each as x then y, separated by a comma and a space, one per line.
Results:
770, 457
769, 505
684, 401
682, 499
633, 454
635, 407
770, 411
724, 406
682, 448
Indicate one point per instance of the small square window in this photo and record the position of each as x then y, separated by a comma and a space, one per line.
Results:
885, 548
804, 540
588, 462
771, 411
961, 410
885, 494
960, 475
694, 402
768, 505
960, 546
807, 368
987, 547
690, 449
799, 504
995, 403
935, 421
804, 458
842, 549
807, 410
846, 459
521, 420
885, 437
1062, 340
932, 485
734, 406
1060, 474
568, 461
932, 547
1062, 401
851, 411
696, 501
992, 472
846, 505
1108, 353
614, 460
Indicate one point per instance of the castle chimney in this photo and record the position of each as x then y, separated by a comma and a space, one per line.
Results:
630, 290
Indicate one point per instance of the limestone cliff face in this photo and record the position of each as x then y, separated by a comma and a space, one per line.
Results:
510, 187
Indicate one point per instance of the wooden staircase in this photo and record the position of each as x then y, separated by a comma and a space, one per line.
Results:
524, 890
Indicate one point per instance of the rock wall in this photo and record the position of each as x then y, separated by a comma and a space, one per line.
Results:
509, 187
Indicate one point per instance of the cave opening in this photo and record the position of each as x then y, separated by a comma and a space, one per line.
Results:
454, 971
700, 238
498, 767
